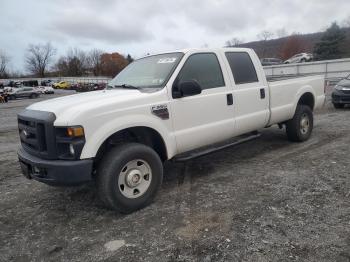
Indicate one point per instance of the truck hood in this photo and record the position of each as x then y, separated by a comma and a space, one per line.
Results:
73, 104
344, 83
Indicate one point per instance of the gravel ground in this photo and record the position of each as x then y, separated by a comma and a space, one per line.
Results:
266, 200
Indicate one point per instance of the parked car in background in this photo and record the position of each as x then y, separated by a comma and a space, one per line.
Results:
12, 83
75, 86
300, 58
45, 89
61, 85
86, 87
32, 83
270, 61
46, 83
341, 93
21, 92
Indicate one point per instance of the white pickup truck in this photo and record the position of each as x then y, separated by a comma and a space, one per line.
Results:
160, 107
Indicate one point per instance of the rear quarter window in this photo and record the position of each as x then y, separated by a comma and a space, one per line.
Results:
242, 67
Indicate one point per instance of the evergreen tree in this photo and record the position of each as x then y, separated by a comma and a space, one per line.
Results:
329, 46
129, 58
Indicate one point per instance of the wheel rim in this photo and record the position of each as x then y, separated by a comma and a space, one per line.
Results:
135, 178
304, 124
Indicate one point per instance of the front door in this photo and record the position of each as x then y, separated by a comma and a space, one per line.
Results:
208, 117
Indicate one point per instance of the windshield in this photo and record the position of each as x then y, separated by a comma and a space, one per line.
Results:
148, 72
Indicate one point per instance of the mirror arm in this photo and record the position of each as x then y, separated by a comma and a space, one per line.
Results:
176, 92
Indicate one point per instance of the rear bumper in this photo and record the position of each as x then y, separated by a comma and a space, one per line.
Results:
338, 97
55, 172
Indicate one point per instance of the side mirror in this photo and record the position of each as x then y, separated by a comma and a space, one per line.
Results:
187, 88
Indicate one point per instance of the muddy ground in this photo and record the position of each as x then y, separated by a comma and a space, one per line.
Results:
266, 200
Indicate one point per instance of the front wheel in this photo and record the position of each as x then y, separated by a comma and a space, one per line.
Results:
299, 128
129, 176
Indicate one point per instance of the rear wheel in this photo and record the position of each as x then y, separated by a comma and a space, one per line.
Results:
299, 128
338, 105
129, 176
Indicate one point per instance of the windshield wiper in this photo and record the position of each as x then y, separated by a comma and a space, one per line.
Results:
127, 86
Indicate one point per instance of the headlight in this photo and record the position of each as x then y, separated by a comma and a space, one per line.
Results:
69, 142
338, 87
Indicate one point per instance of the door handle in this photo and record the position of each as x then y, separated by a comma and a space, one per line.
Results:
229, 98
262, 93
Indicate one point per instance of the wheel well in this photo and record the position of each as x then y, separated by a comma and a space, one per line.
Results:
308, 100
142, 135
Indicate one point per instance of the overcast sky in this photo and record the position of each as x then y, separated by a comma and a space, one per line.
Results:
140, 27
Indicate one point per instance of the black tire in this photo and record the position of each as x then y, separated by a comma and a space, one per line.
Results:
110, 169
338, 106
296, 127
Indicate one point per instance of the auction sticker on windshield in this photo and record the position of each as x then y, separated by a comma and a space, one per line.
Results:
167, 60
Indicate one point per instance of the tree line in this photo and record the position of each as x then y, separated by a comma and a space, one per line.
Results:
40, 62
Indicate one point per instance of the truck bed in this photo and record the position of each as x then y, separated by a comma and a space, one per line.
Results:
285, 92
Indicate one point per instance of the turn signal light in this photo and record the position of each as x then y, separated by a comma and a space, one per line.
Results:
75, 131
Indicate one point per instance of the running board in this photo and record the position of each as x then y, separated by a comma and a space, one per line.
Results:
216, 147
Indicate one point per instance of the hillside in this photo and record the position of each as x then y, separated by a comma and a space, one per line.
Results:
288, 46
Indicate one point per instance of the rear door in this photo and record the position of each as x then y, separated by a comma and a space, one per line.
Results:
250, 91
206, 118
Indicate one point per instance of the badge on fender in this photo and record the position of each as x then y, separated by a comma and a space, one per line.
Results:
161, 111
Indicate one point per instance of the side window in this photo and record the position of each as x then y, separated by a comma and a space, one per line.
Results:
205, 69
242, 67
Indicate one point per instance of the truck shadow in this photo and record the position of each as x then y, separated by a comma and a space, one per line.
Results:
176, 174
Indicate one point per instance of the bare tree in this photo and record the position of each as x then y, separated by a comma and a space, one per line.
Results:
282, 32
294, 44
94, 61
4, 60
39, 57
234, 42
346, 22
75, 63
265, 35
78, 62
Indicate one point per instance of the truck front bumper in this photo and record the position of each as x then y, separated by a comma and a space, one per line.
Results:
55, 172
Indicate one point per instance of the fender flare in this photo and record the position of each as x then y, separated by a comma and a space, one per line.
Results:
100, 135
302, 91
